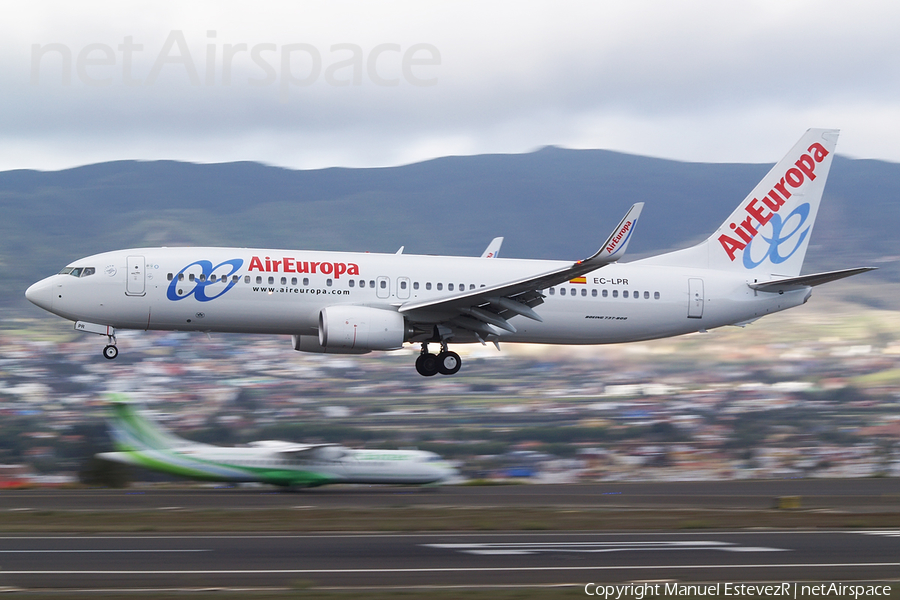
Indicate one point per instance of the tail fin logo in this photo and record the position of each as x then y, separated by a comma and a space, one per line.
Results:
772, 252
761, 212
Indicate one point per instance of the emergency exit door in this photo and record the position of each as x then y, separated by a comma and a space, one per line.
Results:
695, 300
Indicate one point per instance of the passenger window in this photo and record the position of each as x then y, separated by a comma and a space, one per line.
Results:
646, 295
552, 291
572, 291
583, 292
258, 279
594, 292
293, 281
352, 282
415, 285
562, 291
402, 285
615, 293
625, 294
235, 279
637, 295
191, 277
428, 286
656, 295
181, 277
383, 284
450, 287
271, 281
328, 282
440, 286
170, 277
462, 287
212, 278
605, 293
472, 286
284, 281
371, 283
306, 281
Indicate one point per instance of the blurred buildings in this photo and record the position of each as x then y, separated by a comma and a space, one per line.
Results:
813, 394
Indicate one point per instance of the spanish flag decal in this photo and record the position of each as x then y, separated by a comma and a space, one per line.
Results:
578, 280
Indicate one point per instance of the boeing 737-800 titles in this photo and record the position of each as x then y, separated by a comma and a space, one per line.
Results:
353, 303
143, 443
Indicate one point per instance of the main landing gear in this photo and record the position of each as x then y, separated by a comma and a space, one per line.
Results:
445, 363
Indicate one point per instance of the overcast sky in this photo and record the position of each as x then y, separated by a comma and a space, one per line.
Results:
374, 83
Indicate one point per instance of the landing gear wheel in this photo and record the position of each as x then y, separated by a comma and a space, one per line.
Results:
110, 352
448, 362
427, 365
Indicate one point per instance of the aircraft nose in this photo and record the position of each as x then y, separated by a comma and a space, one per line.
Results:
41, 294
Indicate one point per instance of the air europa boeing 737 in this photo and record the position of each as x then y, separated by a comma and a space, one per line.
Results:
353, 303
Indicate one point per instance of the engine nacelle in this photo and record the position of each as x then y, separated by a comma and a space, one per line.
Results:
310, 343
361, 327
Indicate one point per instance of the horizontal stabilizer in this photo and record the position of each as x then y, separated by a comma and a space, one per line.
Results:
796, 283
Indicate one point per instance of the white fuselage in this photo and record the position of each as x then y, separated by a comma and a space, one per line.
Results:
283, 291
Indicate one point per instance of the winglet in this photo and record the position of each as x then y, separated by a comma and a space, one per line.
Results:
614, 247
493, 248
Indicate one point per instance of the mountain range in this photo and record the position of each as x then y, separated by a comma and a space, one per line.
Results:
551, 203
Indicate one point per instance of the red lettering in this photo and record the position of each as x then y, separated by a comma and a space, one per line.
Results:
339, 269
268, 264
325, 268
353, 269
741, 233
807, 165
731, 245
275, 265
313, 266
303, 267
255, 263
818, 151
794, 177
747, 224
780, 187
773, 201
288, 265
757, 211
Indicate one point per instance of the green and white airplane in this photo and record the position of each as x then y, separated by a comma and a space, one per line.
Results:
142, 442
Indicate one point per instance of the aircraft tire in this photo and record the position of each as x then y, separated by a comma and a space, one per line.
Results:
110, 352
427, 365
448, 362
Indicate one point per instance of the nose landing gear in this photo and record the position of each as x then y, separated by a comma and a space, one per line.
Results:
110, 351
446, 362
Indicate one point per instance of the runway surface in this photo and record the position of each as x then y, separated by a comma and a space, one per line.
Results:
858, 495
444, 559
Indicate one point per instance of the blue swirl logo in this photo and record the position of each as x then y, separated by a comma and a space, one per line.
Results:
204, 280
779, 237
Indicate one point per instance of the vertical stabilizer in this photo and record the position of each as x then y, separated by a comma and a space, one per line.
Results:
768, 233
131, 431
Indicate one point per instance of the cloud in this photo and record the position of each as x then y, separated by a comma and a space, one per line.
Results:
311, 84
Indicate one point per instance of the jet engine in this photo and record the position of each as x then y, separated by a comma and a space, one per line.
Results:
360, 328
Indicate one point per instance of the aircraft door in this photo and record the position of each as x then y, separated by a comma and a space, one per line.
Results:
383, 287
135, 284
403, 288
695, 300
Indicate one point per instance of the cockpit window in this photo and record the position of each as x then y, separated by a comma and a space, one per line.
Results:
78, 271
